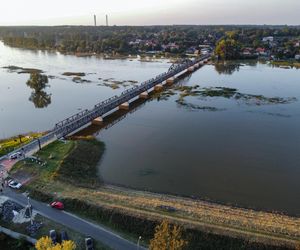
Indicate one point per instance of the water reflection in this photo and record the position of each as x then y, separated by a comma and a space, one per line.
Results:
229, 67
39, 97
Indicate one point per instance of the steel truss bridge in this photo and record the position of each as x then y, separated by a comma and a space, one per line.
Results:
83, 118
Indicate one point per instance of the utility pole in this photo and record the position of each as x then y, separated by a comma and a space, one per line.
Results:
95, 20
29, 210
39, 142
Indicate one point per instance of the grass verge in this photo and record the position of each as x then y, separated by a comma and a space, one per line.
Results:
10, 144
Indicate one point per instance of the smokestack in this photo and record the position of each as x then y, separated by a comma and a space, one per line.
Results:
106, 20
95, 20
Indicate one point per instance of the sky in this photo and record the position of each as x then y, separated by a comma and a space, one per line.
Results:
149, 12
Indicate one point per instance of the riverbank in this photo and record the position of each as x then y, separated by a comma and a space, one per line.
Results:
135, 213
286, 64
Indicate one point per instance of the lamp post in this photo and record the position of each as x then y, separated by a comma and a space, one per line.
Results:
30, 209
138, 242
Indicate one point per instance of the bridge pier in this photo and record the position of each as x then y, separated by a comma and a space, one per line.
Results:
158, 87
144, 95
124, 106
170, 80
98, 121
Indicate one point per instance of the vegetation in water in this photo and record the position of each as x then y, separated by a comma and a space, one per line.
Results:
38, 83
115, 84
215, 92
191, 106
228, 93
21, 70
80, 74
78, 79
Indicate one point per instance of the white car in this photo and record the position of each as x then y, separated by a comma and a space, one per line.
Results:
14, 184
15, 155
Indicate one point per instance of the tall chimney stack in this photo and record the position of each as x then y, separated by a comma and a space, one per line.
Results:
95, 20
106, 20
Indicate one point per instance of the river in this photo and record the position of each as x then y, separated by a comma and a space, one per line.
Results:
229, 133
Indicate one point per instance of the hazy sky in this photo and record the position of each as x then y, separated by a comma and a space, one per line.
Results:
147, 12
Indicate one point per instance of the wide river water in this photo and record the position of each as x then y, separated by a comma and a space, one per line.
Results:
238, 147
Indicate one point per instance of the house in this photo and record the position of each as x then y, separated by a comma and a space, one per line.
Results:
297, 57
268, 39
261, 52
190, 50
247, 51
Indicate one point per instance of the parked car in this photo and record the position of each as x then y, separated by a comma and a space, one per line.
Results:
15, 155
14, 184
64, 236
57, 204
53, 236
89, 245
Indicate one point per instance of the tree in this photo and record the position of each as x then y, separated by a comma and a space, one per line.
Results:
227, 49
45, 243
167, 237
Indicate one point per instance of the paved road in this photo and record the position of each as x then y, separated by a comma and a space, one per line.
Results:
97, 232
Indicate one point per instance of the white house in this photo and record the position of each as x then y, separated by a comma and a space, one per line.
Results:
268, 39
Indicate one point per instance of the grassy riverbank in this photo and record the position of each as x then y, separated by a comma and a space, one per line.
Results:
10, 144
134, 213
287, 64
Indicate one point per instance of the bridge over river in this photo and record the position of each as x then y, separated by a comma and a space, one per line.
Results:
84, 118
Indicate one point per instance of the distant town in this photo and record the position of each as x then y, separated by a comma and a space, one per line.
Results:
230, 42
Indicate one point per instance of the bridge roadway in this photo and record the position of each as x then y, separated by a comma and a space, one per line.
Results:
82, 118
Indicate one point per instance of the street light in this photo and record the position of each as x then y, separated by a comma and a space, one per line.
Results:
138, 242
30, 210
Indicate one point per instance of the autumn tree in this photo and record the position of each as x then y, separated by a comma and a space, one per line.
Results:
227, 49
167, 237
45, 243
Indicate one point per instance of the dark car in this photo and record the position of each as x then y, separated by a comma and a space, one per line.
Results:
64, 236
53, 236
89, 245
